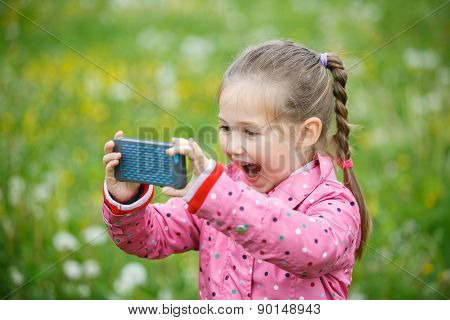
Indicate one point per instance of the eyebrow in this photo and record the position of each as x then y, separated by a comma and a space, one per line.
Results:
243, 122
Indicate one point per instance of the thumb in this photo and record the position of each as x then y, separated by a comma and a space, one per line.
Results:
169, 191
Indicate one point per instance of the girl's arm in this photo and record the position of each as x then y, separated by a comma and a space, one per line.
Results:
309, 244
152, 231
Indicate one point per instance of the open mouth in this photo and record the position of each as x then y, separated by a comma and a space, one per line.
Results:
252, 169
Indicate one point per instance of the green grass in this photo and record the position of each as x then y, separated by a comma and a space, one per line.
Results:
57, 110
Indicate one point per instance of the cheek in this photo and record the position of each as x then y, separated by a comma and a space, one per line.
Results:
255, 149
277, 156
223, 142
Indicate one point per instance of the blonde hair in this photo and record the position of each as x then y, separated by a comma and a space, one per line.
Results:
311, 92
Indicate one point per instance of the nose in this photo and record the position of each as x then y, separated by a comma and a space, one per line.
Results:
235, 144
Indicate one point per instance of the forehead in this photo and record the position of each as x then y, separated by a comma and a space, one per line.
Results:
248, 101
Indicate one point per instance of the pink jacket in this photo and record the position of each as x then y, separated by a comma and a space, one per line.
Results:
296, 242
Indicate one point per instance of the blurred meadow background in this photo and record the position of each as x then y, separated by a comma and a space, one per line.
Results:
61, 99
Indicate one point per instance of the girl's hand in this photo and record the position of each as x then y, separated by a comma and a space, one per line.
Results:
197, 158
120, 191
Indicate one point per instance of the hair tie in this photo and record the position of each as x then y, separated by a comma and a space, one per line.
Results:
324, 59
345, 164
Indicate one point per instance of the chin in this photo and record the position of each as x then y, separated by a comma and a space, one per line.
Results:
262, 188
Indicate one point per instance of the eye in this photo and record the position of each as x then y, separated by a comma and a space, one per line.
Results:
224, 128
251, 133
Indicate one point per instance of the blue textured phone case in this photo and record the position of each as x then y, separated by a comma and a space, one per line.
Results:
146, 161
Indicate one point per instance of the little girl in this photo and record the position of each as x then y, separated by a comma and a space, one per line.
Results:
275, 223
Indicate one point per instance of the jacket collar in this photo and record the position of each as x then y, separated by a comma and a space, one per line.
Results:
299, 185
295, 188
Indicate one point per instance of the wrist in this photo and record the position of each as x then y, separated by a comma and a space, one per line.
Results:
135, 197
127, 200
144, 197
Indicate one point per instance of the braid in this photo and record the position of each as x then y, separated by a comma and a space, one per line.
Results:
340, 138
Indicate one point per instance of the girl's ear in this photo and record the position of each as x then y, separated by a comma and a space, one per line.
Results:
310, 131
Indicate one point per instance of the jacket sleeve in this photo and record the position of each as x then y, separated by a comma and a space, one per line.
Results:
151, 231
309, 244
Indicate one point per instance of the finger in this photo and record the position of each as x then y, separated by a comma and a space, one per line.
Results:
171, 192
109, 146
184, 150
180, 141
111, 156
110, 169
198, 154
119, 134
197, 149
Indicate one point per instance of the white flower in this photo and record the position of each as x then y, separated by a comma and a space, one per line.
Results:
153, 40
64, 240
166, 75
72, 269
356, 295
196, 47
120, 92
421, 59
120, 5
16, 189
133, 274
112, 296
95, 235
12, 31
16, 276
422, 104
379, 136
197, 50
365, 12
42, 192
8, 226
190, 275
62, 214
262, 33
83, 290
93, 84
166, 80
91, 268
38, 211
164, 294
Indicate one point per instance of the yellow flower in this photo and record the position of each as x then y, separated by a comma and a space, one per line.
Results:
373, 206
426, 269
79, 155
67, 178
430, 199
403, 162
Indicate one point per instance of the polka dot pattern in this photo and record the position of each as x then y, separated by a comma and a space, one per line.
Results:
248, 260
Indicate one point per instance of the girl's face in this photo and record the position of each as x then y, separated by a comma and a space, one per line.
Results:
266, 154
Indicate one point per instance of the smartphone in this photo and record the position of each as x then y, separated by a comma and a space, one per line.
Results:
146, 161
